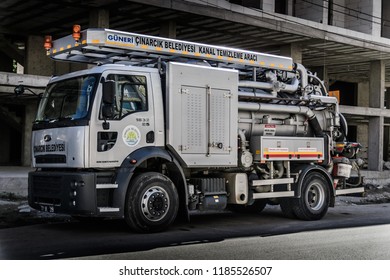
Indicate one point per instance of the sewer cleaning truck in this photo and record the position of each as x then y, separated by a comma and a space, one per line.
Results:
162, 128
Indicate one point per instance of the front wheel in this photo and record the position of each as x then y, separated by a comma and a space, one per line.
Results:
152, 203
315, 196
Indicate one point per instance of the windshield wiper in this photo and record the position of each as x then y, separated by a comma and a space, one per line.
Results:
53, 120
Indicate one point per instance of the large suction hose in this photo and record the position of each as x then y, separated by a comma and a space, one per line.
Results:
265, 107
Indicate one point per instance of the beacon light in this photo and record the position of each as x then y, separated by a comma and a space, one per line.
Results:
76, 33
48, 44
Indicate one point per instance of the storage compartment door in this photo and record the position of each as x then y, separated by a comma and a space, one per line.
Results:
194, 121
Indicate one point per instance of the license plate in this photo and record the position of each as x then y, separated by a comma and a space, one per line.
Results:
47, 208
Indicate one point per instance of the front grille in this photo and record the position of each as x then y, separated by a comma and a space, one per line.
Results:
46, 185
50, 159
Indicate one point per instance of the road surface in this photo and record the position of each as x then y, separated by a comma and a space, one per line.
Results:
347, 232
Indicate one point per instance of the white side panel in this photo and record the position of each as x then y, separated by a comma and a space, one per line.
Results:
193, 104
202, 115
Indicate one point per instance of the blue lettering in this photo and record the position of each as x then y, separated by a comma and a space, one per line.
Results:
122, 39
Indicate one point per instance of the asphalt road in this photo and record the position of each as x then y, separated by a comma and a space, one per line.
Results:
346, 232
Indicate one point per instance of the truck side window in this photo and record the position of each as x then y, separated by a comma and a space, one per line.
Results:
130, 94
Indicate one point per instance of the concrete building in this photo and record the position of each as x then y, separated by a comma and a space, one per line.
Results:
347, 42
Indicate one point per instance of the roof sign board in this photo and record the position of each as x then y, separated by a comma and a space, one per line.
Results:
108, 44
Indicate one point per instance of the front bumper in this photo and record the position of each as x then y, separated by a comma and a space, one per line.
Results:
72, 193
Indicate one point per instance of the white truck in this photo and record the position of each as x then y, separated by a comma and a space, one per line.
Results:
161, 128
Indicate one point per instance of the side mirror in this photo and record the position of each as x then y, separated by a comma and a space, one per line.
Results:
108, 92
108, 111
19, 90
108, 99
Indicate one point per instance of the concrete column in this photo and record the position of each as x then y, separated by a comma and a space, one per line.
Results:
363, 94
37, 62
375, 125
290, 8
376, 18
168, 29
99, 18
377, 84
26, 137
292, 50
325, 13
375, 143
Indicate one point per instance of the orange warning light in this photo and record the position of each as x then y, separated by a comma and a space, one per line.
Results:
76, 32
48, 43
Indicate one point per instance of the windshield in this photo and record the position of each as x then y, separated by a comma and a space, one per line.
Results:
68, 99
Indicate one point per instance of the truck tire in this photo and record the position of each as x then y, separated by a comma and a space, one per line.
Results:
152, 203
315, 196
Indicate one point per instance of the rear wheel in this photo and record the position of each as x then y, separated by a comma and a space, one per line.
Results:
315, 195
152, 203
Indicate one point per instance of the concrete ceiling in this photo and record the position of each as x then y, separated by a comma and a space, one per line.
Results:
346, 59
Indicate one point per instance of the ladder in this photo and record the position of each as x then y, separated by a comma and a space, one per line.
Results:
101, 46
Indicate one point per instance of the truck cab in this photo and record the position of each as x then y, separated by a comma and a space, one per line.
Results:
71, 134
71, 113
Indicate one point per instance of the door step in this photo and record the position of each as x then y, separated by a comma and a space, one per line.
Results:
108, 209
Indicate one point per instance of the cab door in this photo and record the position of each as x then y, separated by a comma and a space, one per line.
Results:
132, 125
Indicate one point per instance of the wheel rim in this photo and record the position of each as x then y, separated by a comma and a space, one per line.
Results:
315, 196
155, 203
